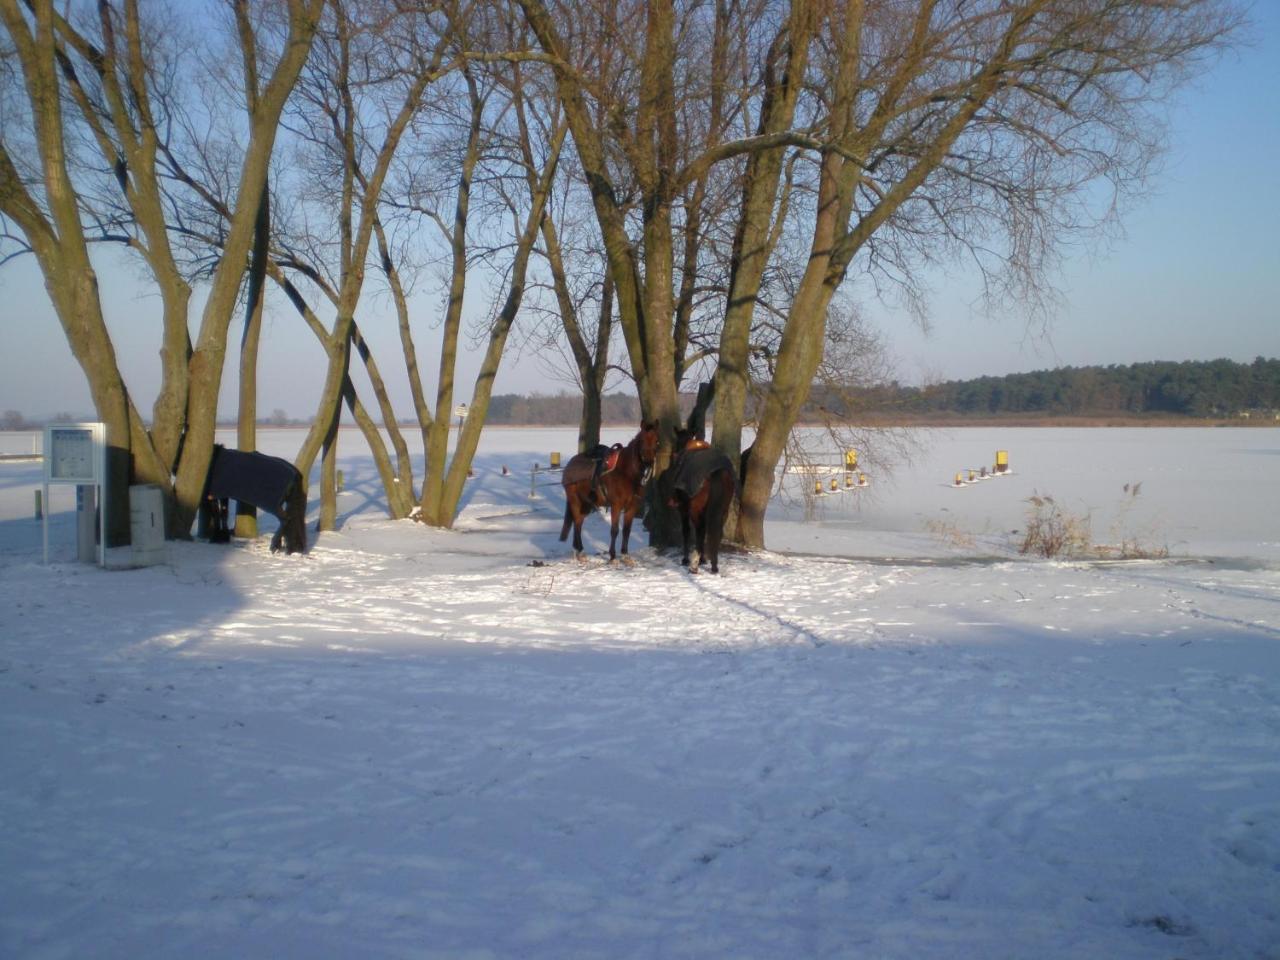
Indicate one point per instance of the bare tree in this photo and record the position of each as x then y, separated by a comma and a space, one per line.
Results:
891, 133
532, 158
359, 98
973, 128
575, 344
102, 83
394, 121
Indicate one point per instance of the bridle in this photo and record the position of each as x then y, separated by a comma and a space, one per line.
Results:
646, 466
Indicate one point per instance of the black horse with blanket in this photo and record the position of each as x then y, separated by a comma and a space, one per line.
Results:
272, 484
702, 489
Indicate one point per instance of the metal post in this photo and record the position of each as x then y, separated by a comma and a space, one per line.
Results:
86, 523
39, 506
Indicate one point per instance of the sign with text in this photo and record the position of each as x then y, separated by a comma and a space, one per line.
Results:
73, 453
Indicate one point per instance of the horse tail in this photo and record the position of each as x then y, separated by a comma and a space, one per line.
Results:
568, 521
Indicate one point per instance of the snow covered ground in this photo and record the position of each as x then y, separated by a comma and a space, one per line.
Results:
889, 737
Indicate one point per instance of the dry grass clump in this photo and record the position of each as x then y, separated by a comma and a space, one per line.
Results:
950, 533
1130, 545
1131, 549
1053, 531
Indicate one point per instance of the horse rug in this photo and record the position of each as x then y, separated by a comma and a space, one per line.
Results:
695, 466
252, 478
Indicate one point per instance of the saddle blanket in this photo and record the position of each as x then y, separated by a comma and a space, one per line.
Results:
695, 466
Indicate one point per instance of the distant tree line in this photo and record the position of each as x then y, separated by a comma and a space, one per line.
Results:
14, 420
512, 409
1214, 388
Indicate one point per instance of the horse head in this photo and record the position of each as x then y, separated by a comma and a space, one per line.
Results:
646, 445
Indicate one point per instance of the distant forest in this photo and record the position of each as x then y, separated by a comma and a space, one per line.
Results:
1214, 388
1219, 389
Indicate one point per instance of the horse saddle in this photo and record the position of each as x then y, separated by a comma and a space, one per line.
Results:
610, 460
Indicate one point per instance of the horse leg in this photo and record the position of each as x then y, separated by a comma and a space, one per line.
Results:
297, 524
578, 517
627, 517
702, 538
713, 548
681, 503
292, 529
720, 496
698, 515
613, 534
685, 529
568, 521
218, 530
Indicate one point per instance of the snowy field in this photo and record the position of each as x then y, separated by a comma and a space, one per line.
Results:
890, 736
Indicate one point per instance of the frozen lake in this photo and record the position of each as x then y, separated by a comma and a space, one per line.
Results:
1204, 491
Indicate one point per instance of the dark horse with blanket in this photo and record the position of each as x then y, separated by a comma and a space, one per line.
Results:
272, 484
609, 475
702, 490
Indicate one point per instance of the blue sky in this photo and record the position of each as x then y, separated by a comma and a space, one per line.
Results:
1195, 276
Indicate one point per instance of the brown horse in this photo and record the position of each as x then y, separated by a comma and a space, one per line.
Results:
702, 490
621, 486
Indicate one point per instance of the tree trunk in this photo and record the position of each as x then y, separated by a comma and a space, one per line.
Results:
434, 510
398, 483
399, 492
329, 482
593, 416
798, 358
211, 344
247, 418
247, 424
755, 237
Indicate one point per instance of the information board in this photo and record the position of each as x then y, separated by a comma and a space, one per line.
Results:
72, 454
77, 453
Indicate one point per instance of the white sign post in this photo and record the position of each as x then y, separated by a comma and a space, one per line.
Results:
77, 453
